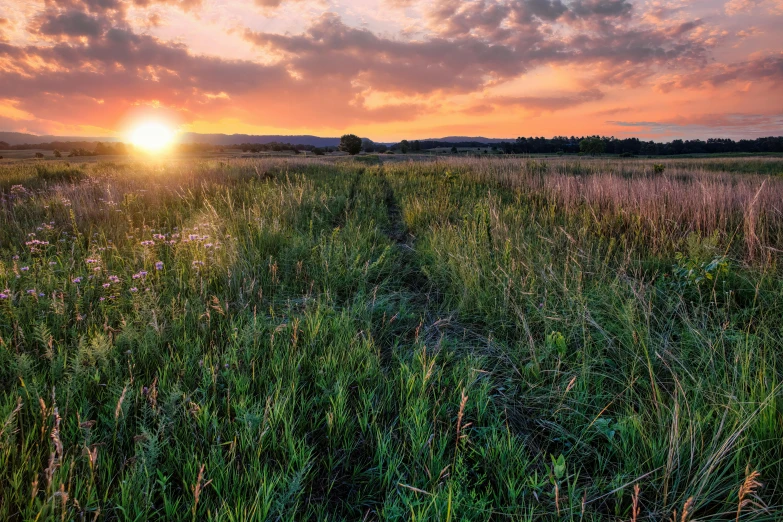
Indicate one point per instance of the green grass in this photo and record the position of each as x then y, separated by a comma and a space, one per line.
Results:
483, 339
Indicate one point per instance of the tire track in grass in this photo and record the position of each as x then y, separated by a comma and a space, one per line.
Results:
441, 326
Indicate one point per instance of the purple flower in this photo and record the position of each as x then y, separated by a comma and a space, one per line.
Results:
3, 296
134, 290
41, 294
31, 291
106, 285
25, 268
159, 265
77, 280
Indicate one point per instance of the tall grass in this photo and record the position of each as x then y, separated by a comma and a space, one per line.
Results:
289, 339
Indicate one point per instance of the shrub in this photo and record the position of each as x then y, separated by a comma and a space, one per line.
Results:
659, 168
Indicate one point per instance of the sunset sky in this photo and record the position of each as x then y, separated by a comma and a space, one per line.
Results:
393, 69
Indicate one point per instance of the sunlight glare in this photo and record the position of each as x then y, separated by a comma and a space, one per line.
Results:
152, 136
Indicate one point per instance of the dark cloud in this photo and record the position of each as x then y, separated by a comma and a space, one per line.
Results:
331, 49
546, 9
461, 59
603, 8
71, 23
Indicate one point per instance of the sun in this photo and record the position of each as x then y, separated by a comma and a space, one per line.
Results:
152, 136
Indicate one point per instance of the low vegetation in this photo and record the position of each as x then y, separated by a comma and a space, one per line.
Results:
333, 339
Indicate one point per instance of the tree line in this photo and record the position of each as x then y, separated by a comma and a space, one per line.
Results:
523, 145
606, 145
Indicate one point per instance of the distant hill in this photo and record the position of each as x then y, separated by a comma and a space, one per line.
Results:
21, 138
235, 139
466, 139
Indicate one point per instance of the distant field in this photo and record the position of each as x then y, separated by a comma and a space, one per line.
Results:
391, 337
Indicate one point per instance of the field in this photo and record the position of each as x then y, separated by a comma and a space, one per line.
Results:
354, 339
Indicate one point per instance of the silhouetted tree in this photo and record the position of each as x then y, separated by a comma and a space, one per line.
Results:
351, 143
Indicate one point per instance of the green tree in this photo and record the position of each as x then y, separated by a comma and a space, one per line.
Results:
454, 149
592, 145
351, 143
405, 146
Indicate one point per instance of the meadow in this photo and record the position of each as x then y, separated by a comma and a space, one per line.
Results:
360, 339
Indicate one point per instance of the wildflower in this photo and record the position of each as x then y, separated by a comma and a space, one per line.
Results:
114, 279
90, 261
147, 243
77, 280
197, 263
134, 290
106, 285
159, 237
102, 299
140, 274
208, 245
15, 258
25, 268
193, 237
52, 263
41, 294
3, 295
159, 265
31, 291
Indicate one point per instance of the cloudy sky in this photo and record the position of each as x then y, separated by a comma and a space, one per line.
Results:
393, 69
